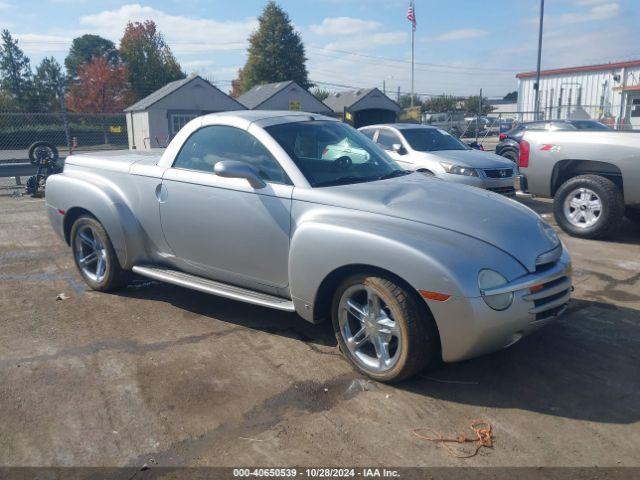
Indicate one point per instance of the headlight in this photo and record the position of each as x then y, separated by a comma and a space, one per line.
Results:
459, 169
488, 279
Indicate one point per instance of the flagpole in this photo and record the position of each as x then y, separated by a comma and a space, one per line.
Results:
413, 34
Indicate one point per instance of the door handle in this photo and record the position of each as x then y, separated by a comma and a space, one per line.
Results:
161, 193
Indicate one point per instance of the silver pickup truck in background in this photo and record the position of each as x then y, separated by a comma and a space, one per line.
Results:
593, 177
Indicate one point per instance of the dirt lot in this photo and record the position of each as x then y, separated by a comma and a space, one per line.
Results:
162, 375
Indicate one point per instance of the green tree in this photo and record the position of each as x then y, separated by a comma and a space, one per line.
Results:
442, 103
320, 93
149, 61
405, 101
276, 52
50, 84
87, 47
471, 105
511, 97
16, 78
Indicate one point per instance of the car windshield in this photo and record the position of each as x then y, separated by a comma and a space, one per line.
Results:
432, 140
333, 153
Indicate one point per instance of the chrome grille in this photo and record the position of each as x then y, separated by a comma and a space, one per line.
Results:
499, 172
552, 299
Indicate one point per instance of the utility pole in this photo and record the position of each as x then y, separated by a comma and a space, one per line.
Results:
398, 95
478, 115
537, 84
384, 87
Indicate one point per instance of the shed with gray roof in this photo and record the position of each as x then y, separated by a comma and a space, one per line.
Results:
363, 107
282, 96
153, 121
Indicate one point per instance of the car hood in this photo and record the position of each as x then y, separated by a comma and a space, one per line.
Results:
486, 216
469, 158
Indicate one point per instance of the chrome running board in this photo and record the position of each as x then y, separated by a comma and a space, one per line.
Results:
215, 288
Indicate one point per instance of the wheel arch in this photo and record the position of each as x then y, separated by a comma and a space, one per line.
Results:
568, 168
103, 201
328, 286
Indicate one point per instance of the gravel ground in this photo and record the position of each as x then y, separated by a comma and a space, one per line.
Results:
161, 375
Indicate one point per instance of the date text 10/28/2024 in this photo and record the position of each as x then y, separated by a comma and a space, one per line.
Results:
316, 472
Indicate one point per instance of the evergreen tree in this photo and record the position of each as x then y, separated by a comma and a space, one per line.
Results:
50, 84
149, 61
276, 52
16, 78
87, 47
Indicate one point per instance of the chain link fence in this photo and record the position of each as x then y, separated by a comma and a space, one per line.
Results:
68, 132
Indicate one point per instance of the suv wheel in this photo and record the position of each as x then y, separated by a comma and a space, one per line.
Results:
510, 155
588, 206
94, 255
381, 328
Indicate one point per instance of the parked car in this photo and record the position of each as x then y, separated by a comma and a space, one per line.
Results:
434, 152
591, 176
243, 205
509, 141
456, 123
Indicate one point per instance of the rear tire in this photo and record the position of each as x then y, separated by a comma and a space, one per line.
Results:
588, 206
95, 257
402, 328
510, 155
633, 214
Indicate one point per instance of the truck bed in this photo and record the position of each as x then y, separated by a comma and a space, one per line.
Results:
114, 160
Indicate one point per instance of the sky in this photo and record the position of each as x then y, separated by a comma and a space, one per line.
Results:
460, 45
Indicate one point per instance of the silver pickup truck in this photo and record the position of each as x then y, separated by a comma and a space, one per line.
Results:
593, 177
249, 206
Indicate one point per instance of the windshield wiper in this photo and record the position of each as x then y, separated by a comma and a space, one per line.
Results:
342, 181
393, 174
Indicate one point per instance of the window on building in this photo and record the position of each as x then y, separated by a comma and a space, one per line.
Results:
179, 120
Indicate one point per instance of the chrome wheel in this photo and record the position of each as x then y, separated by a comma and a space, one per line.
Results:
90, 253
367, 326
582, 208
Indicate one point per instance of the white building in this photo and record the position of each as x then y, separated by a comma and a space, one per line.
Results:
608, 92
153, 121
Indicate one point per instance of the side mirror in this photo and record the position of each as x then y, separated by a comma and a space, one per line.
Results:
399, 149
235, 169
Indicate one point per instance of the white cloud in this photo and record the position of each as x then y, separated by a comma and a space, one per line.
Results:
461, 34
183, 34
344, 26
598, 12
359, 43
356, 33
34, 43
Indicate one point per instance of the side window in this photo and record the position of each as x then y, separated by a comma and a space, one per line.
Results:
369, 132
213, 144
387, 138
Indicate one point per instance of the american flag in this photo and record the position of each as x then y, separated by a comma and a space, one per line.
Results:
411, 15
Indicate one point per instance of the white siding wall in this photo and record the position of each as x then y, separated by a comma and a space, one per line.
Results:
594, 91
140, 129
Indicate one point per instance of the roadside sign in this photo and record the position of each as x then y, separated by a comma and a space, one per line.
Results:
115, 129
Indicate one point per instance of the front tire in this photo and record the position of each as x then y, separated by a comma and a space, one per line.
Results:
588, 206
382, 329
95, 257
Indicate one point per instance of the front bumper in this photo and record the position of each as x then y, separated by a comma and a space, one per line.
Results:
503, 186
469, 327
